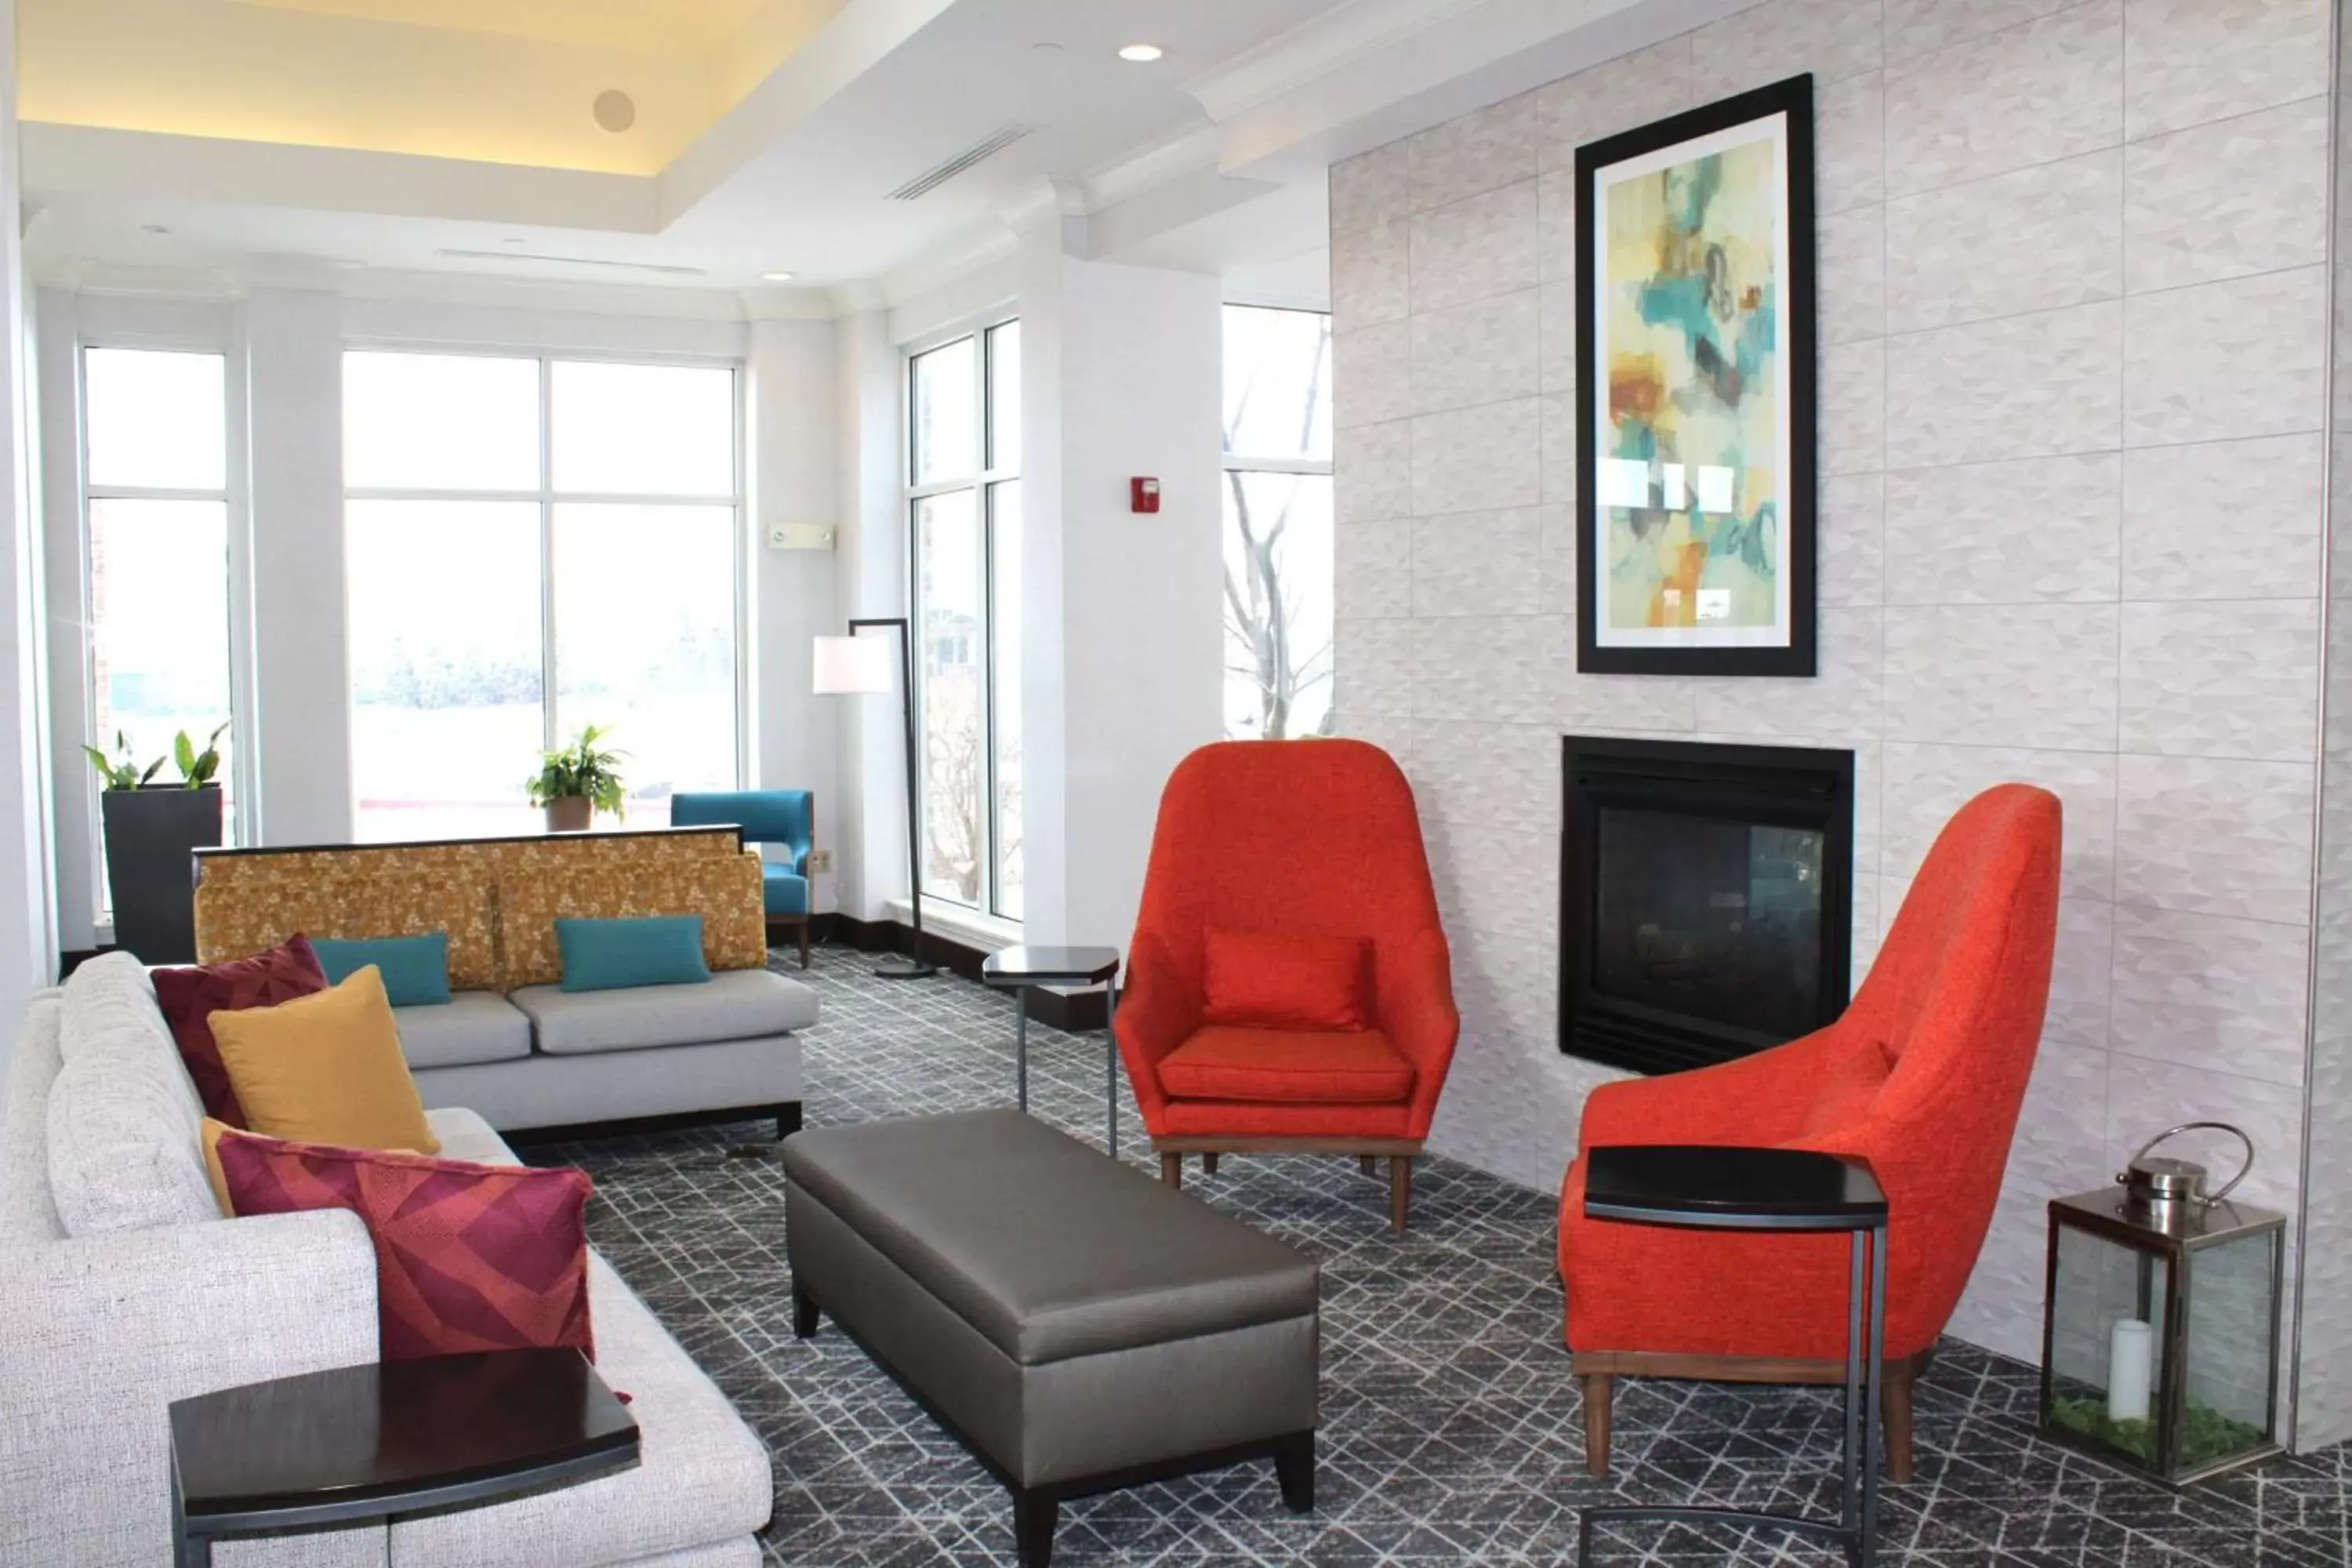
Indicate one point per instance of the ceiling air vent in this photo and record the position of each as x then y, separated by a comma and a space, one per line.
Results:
988, 146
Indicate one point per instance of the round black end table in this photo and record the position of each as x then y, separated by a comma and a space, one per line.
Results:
1797, 1192
1019, 969
377, 1441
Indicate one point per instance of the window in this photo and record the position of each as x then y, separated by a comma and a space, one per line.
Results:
155, 465
536, 545
1277, 522
963, 501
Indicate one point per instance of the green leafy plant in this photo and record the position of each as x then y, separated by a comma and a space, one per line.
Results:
581, 771
122, 771
197, 768
2206, 1432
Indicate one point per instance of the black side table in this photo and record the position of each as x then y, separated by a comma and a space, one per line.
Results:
385, 1439
1017, 969
1794, 1191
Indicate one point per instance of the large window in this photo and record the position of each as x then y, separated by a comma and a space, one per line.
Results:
155, 468
1277, 522
536, 545
963, 465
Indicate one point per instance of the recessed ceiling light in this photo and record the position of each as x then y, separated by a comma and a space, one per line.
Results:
613, 110
777, 276
1140, 53
1047, 46
511, 240
152, 228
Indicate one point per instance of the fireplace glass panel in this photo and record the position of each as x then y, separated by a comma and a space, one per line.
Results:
1710, 919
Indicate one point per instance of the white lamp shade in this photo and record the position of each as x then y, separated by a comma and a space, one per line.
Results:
853, 666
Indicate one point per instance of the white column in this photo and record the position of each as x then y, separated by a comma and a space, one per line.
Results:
870, 564
302, 719
1122, 652
28, 932
793, 387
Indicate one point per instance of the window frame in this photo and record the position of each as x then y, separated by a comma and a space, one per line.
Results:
1244, 463
546, 497
983, 481
238, 530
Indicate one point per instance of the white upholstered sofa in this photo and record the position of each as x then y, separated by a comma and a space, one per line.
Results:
122, 1289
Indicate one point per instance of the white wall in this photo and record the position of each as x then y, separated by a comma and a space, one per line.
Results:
28, 937
1121, 377
2061, 540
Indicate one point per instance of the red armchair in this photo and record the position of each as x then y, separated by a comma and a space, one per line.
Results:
1295, 839
1922, 1077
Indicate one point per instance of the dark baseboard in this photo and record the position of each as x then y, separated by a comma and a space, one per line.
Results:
787, 1116
1075, 1013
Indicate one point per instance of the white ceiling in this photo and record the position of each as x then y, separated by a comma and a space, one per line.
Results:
1209, 159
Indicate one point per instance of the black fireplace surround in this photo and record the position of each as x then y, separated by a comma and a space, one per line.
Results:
1706, 898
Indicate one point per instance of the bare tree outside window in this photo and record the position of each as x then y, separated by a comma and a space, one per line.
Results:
1277, 510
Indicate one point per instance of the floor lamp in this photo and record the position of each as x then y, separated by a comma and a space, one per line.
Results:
856, 665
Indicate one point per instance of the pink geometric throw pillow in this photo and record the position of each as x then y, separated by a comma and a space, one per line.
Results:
190, 996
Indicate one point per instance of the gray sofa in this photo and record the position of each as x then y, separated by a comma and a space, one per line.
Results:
542, 1056
122, 1289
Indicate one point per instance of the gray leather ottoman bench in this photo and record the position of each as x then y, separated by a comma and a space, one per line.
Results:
1077, 1325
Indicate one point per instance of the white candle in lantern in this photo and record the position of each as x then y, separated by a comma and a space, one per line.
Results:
2131, 1365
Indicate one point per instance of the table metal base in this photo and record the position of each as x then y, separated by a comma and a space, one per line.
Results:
1110, 1058
1856, 1528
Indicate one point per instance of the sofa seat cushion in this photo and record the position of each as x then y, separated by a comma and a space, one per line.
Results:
733, 1004
471, 1026
703, 1477
783, 890
465, 1136
1353, 1066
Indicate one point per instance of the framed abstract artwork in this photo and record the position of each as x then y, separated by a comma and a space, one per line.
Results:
1695, 391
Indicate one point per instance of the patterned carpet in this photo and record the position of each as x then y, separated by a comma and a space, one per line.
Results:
1451, 1428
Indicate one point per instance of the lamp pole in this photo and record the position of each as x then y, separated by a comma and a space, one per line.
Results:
914, 968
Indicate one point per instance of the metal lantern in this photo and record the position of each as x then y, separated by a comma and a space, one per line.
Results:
2160, 1328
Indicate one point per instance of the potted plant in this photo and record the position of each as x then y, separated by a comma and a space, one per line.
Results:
577, 782
152, 832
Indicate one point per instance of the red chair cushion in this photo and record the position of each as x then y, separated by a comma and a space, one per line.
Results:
469, 1257
188, 998
1298, 1067
1847, 1090
1265, 980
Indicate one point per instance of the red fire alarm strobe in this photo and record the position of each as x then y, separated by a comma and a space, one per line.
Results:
1143, 495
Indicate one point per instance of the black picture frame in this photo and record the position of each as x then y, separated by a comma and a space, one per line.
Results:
1793, 99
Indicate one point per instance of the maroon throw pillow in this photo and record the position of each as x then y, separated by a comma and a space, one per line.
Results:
1267, 980
190, 997
468, 1258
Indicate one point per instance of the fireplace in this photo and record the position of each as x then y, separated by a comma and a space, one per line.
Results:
1706, 898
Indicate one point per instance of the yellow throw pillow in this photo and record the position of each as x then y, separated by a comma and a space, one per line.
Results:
325, 1069
211, 1132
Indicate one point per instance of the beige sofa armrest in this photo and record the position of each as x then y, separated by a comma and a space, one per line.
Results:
98, 1335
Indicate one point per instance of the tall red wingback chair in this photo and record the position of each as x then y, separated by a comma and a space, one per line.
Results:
1923, 1076
1288, 840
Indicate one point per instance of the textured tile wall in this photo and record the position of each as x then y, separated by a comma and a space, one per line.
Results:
2072, 290
2324, 1393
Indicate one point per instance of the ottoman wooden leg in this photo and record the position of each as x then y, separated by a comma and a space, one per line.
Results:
1371, 1164
1598, 1389
1033, 1517
804, 1314
1209, 1164
1171, 1169
1294, 1467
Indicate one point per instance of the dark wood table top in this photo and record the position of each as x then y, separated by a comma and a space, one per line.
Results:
1731, 1188
1025, 965
360, 1435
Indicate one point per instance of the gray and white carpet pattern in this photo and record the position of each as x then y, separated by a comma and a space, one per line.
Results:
1452, 1430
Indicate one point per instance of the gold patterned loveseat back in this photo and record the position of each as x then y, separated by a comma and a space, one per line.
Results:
496, 898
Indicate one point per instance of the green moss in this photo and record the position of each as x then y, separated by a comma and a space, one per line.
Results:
2207, 1435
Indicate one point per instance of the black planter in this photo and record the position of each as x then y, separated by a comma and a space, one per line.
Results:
152, 837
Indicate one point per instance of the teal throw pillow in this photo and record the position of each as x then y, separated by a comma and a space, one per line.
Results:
616, 954
415, 969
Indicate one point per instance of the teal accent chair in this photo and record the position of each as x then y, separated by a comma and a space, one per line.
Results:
785, 817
